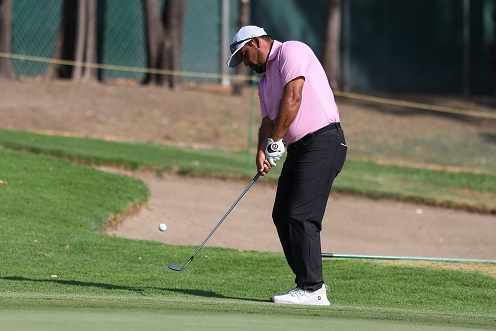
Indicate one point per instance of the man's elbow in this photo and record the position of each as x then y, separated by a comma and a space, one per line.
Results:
293, 101
293, 92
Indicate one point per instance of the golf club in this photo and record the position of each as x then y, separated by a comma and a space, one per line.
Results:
175, 267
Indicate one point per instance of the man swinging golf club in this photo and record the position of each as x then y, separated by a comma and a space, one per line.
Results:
298, 109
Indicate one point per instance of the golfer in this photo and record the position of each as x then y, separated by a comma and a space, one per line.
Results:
299, 115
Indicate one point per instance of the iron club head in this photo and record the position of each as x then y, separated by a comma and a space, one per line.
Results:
175, 267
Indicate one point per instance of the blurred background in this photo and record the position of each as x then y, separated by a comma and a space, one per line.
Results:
415, 80
422, 46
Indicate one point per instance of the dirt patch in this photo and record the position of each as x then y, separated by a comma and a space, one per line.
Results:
487, 269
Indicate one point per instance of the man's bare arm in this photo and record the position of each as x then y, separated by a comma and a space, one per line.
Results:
288, 108
263, 134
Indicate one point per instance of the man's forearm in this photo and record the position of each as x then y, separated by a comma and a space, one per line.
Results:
287, 114
264, 133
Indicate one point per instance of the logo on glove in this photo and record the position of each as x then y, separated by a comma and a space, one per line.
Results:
274, 147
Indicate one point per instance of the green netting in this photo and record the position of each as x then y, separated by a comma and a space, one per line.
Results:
35, 26
122, 35
414, 46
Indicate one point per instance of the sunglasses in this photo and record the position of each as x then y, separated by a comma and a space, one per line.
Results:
233, 45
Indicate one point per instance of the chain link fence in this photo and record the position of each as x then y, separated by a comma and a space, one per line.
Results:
35, 27
391, 45
121, 35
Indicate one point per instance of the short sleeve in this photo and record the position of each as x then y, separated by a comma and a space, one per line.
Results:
293, 61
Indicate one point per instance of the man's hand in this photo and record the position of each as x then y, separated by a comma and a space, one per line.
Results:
263, 165
274, 151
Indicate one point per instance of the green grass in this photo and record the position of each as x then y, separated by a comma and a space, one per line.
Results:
129, 155
472, 191
54, 260
438, 187
166, 320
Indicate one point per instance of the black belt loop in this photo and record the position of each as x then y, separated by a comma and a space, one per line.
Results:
306, 139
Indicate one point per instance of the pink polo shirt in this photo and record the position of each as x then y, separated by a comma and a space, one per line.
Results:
286, 62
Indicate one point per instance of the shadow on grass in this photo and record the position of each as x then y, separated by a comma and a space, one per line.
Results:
490, 138
136, 289
207, 294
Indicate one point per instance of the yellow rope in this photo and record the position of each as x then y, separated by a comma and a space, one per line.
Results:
416, 105
121, 68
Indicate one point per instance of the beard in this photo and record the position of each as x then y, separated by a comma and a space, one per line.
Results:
259, 67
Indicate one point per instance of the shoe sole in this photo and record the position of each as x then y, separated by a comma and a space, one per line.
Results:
302, 304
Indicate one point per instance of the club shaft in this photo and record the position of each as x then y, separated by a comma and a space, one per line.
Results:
223, 218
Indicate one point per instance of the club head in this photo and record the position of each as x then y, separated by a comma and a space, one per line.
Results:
175, 267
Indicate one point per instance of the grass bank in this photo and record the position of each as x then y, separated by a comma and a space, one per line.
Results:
472, 191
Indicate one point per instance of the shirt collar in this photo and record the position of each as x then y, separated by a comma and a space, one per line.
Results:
274, 50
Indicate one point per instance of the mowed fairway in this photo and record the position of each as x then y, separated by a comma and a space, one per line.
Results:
58, 272
80, 320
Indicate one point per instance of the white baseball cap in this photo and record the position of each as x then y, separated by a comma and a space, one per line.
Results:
240, 39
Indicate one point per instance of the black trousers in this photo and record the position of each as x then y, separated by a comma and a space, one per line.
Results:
303, 189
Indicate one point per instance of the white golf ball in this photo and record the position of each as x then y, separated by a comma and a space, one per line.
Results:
162, 227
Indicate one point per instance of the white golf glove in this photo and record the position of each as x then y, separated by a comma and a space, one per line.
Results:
274, 151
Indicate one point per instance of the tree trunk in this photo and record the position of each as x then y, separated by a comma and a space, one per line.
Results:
176, 32
241, 70
80, 41
6, 6
331, 49
154, 37
64, 48
173, 17
90, 74
53, 68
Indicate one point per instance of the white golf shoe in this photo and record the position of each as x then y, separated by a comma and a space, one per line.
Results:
298, 296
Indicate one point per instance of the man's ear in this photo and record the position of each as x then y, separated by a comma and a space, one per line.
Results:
255, 42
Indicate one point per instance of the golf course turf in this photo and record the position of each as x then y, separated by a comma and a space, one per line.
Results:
59, 272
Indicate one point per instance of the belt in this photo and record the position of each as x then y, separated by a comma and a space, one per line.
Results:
306, 139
